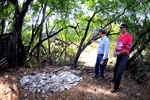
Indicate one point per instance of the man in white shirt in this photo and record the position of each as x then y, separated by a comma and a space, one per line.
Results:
102, 56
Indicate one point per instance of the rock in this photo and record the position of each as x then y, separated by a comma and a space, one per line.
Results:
66, 68
138, 94
25, 95
77, 72
67, 86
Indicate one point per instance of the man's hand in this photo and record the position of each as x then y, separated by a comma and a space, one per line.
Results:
94, 41
102, 61
116, 53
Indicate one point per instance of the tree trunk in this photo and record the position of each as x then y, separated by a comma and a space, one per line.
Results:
49, 47
82, 42
41, 30
3, 26
139, 51
79, 53
139, 38
16, 48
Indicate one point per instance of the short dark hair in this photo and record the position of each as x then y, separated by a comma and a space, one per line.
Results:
102, 31
123, 24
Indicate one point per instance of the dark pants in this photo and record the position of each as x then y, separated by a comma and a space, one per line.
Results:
97, 66
119, 70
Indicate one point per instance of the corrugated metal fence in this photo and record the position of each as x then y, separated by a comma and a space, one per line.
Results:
4, 40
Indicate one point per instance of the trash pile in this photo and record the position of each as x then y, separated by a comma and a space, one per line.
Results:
49, 83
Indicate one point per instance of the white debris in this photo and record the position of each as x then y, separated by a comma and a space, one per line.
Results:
138, 94
49, 83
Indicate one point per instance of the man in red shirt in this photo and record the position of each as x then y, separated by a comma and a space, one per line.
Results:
122, 52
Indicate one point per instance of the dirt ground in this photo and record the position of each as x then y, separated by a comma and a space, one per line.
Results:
88, 89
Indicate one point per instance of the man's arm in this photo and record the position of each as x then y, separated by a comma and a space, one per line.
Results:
106, 49
94, 41
122, 52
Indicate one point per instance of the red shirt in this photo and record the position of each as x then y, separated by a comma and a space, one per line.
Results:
124, 43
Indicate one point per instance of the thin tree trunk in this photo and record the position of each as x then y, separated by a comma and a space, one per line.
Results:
3, 26
49, 47
139, 51
82, 41
41, 30
139, 38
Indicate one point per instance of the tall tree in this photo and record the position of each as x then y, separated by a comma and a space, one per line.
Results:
16, 41
41, 28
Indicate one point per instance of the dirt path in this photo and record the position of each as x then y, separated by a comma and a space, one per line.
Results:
93, 89
88, 89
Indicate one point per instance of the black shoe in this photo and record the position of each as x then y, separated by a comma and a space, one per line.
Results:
95, 76
112, 81
114, 90
100, 78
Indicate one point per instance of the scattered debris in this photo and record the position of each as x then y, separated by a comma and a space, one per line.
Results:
48, 83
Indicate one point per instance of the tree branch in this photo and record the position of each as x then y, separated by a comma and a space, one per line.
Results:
86, 30
14, 2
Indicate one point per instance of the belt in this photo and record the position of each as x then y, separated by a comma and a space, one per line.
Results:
101, 54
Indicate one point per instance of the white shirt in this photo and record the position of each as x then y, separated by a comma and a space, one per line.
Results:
103, 47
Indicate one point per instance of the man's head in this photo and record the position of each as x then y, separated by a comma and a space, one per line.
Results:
102, 32
123, 27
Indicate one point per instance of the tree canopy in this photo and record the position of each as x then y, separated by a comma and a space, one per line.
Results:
60, 29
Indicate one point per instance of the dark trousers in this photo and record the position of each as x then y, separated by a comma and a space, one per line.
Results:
98, 66
119, 70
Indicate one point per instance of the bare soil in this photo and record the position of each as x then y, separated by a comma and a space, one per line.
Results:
88, 89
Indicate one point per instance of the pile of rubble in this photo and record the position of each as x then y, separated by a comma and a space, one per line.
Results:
49, 83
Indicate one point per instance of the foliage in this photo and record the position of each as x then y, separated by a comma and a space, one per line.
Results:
60, 53
6, 15
141, 66
32, 63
